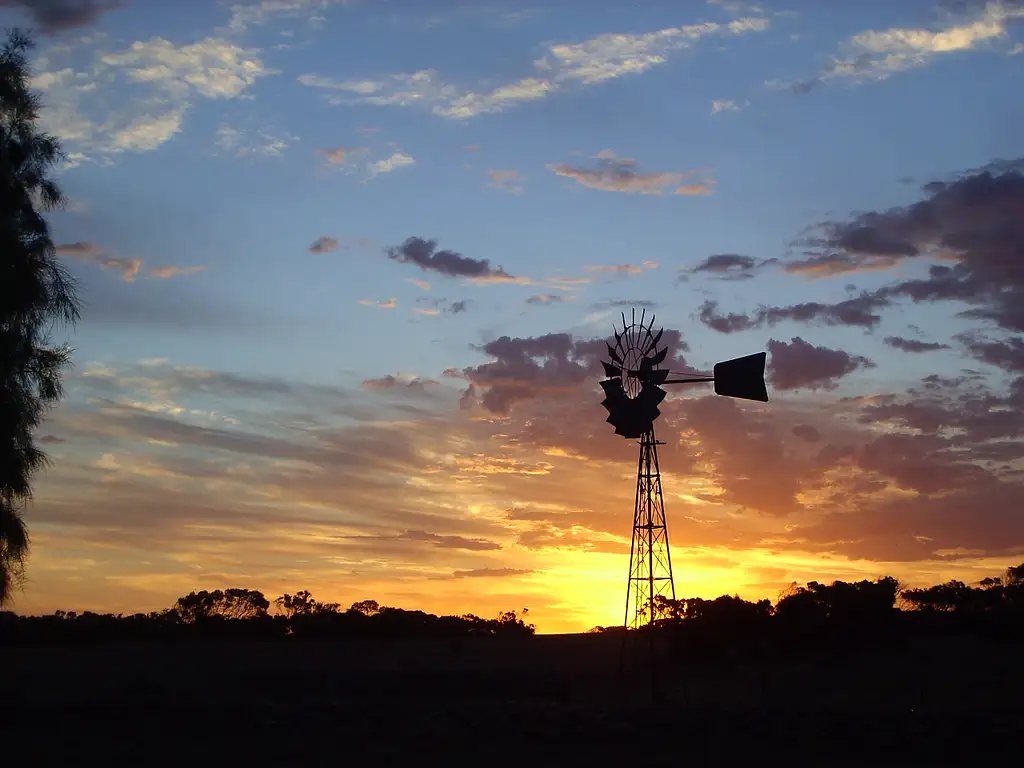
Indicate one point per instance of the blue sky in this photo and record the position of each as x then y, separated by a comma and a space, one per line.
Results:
598, 153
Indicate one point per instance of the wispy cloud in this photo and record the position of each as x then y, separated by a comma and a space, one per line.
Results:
262, 12
549, 298
356, 160
619, 174
129, 268
159, 82
389, 304
723, 105
242, 142
508, 181
877, 54
588, 63
389, 164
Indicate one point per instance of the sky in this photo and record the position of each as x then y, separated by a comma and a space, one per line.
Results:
347, 267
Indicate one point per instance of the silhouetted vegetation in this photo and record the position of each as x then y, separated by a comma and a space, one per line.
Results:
823, 619
245, 614
35, 294
807, 621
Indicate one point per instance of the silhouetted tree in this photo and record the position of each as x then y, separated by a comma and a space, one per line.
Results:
35, 293
366, 607
227, 604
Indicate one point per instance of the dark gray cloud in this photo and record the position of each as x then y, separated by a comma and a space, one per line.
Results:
324, 244
392, 383
726, 266
857, 312
913, 345
445, 306
799, 365
1007, 354
973, 220
52, 16
546, 366
424, 254
807, 432
545, 299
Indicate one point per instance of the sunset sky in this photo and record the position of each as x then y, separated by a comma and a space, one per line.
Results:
344, 263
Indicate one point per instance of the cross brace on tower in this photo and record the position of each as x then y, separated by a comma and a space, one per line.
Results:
650, 561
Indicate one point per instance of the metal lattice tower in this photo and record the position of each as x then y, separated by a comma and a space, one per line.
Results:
650, 560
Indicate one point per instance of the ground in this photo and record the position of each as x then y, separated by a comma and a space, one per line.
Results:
535, 700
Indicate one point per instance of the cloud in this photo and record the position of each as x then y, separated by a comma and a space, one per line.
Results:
508, 181
262, 12
435, 540
261, 143
913, 345
439, 306
167, 272
618, 269
390, 383
424, 254
323, 244
387, 165
597, 60
547, 366
337, 156
807, 432
971, 221
857, 312
801, 365
548, 298
389, 304
619, 174
91, 253
728, 266
53, 16
723, 105
875, 55
1007, 354
155, 83
422, 284
485, 573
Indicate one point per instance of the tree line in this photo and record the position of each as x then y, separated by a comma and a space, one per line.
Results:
824, 618
248, 614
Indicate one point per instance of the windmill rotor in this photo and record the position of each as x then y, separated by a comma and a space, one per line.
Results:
634, 377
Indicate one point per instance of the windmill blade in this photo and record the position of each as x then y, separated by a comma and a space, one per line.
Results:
659, 358
611, 371
618, 337
643, 314
657, 378
613, 354
612, 387
654, 339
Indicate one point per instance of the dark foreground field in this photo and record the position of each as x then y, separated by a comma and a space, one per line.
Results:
534, 700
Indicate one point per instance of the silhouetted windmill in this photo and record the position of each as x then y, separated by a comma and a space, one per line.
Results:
633, 392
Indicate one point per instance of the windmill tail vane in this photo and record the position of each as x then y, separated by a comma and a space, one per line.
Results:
634, 388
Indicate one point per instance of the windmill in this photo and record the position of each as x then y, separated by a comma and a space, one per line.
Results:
633, 391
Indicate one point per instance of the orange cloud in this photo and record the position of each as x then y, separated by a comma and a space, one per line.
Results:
619, 174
